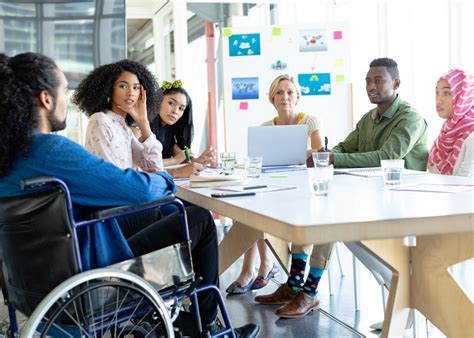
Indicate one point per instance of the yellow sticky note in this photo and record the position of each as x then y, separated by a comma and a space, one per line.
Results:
276, 31
339, 62
227, 32
339, 78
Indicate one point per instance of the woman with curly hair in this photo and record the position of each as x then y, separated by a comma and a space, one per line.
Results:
174, 125
115, 97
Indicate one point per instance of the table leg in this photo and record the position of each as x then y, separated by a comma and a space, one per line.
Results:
434, 291
239, 238
397, 256
280, 250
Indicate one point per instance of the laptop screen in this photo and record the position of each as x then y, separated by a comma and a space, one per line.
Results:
278, 145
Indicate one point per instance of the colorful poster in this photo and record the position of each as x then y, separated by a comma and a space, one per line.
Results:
245, 88
315, 84
244, 44
313, 40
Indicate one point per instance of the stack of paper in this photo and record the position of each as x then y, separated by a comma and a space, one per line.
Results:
214, 178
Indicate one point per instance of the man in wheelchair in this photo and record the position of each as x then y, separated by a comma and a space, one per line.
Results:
32, 105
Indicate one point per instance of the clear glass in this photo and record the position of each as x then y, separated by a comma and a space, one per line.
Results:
392, 171
228, 162
253, 166
321, 159
319, 179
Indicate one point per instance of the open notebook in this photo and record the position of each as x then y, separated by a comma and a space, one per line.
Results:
214, 178
372, 172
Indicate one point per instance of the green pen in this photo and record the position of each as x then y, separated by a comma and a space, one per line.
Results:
186, 153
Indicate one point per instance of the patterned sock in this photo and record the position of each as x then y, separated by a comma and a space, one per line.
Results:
312, 281
298, 266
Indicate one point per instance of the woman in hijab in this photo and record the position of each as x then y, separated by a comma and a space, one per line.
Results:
453, 150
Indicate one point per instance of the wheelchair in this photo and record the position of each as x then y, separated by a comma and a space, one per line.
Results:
42, 274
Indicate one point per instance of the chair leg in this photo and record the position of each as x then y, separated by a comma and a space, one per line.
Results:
13, 327
355, 267
384, 297
330, 282
341, 270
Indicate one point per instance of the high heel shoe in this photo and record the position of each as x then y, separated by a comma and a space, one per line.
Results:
262, 281
236, 288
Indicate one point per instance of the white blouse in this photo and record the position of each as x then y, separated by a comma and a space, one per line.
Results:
108, 136
464, 165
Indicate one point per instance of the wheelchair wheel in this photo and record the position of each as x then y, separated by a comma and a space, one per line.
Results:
101, 303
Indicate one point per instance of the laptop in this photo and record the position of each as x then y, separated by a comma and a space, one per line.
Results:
278, 145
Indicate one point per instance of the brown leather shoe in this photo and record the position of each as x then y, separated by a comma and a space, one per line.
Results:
299, 306
283, 294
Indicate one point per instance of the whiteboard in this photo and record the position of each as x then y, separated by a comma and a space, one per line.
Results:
317, 56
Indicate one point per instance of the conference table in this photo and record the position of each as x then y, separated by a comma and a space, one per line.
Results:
361, 209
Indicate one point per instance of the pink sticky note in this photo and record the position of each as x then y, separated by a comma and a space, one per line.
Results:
337, 35
244, 106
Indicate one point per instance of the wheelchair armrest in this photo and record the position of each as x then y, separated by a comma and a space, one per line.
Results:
39, 181
131, 209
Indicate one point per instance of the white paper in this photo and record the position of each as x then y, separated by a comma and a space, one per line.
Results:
433, 187
269, 188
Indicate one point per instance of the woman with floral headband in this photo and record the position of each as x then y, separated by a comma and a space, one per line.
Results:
453, 150
174, 125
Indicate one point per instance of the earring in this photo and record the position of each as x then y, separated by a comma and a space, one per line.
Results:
108, 100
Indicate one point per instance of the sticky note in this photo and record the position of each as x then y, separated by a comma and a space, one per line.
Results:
244, 105
227, 32
276, 31
339, 62
339, 78
337, 35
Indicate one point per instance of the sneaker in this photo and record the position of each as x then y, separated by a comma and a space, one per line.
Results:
262, 281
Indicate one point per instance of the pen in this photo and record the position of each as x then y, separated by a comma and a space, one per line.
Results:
255, 187
186, 153
326, 143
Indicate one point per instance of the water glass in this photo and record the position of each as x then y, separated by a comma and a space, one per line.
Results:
319, 178
253, 166
392, 171
228, 161
321, 159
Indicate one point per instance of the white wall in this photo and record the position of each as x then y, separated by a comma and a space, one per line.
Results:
425, 37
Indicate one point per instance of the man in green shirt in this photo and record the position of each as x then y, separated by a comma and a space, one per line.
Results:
392, 130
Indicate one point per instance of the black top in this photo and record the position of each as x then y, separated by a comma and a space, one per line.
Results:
165, 134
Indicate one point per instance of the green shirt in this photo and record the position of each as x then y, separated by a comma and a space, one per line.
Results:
400, 133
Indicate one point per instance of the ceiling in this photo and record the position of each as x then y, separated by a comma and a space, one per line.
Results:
139, 9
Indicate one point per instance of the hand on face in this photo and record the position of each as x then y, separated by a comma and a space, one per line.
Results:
138, 110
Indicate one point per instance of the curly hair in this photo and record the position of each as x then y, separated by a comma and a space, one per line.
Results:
22, 78
391, 65
95, 91
183, 129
